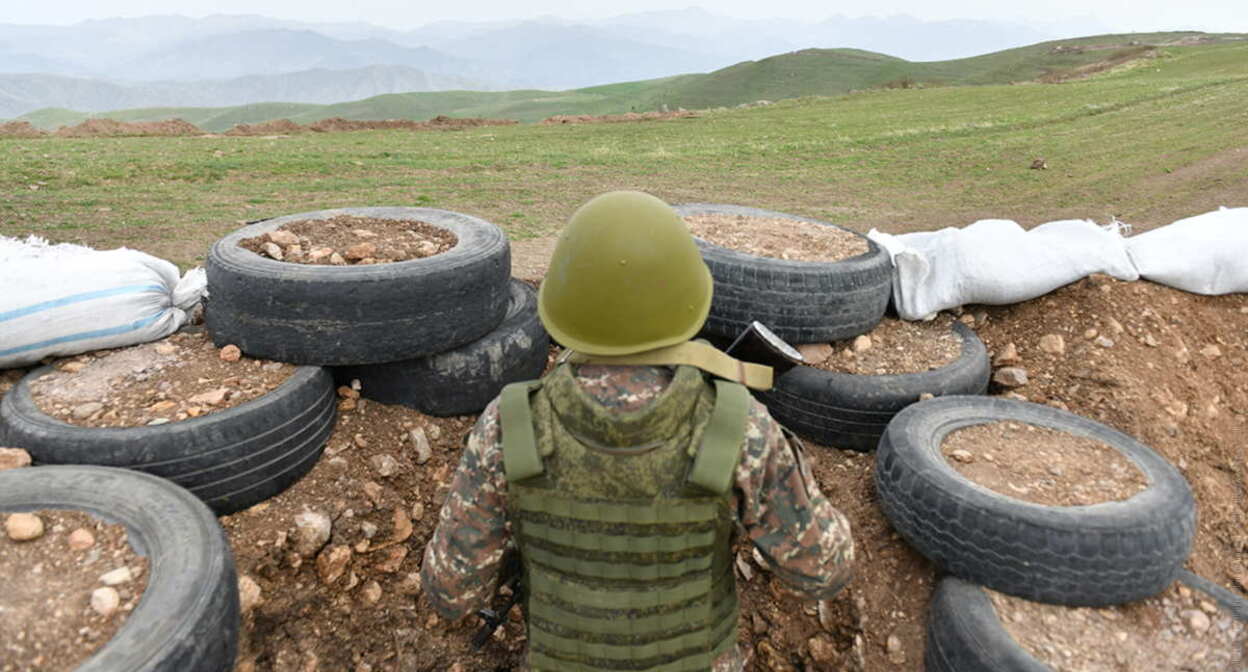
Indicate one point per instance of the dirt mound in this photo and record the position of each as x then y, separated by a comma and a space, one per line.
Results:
111, 128
275, 127
440, 122
19, 129
445, 122
169, 128
1164, 366
617, 118
338, 124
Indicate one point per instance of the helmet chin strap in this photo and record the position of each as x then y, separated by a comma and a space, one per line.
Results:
693, 353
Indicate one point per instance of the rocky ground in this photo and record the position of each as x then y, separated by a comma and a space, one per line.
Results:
348, 240
71, 581
330, 568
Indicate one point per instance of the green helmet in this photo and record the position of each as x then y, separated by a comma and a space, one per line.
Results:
625, 277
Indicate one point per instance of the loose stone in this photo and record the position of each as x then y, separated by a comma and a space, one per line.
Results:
1196, 620
81, 539
116, 577
230, 353
249, 593
1008, 356
814, 353
371, 592
421, 444
312, 530
13, 458
332, 562
385, 465
963, 456
282, 238
1010, 376
105, 601
24, 526
1053, 344
361, 251
84, 411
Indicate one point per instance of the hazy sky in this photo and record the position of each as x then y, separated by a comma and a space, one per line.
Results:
1122, 15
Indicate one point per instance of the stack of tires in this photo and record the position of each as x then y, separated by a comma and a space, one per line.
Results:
818, 302
442, 334
1099, 555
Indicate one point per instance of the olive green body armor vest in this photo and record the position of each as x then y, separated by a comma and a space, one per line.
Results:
624, 522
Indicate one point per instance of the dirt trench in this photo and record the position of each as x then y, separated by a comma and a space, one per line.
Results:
1174, 377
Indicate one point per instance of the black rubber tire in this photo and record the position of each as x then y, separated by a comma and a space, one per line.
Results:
463, 381
1108, 553
188, 618
340, 315
231, 459
964, 633
851, 411
801, 301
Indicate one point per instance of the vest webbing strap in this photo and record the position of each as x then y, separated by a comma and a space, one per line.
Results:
520, 457
545, 582
717, 458
540, 662
658, 512
616, 543
666, 622
618, 570
693, 353
689, 644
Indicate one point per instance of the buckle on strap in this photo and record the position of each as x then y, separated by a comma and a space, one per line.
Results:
692, 353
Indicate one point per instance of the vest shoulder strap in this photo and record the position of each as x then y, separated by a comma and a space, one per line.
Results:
717, 457
521, 459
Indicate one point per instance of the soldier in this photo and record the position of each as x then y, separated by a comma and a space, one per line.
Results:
624, 475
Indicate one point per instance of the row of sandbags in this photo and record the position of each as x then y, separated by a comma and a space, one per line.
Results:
996, 262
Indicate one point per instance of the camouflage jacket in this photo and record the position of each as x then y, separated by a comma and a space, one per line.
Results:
804, 540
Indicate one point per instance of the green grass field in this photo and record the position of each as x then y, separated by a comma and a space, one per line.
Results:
1150, 141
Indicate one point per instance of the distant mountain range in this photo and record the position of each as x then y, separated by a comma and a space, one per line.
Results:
20, 94
238, 59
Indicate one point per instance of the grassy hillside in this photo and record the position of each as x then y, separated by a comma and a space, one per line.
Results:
821, 72
811, 72
1149, 142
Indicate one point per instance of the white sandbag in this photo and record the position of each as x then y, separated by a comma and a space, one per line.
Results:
1205, 254
67, 299
994, 261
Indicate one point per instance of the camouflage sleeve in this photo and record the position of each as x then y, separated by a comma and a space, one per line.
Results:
463, 558
803, 538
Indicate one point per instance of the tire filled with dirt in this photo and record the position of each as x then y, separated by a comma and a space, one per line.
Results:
801, 301
231, 459
188, 617
304, 312
464, 380
971, 629
1097, 554
851, 411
